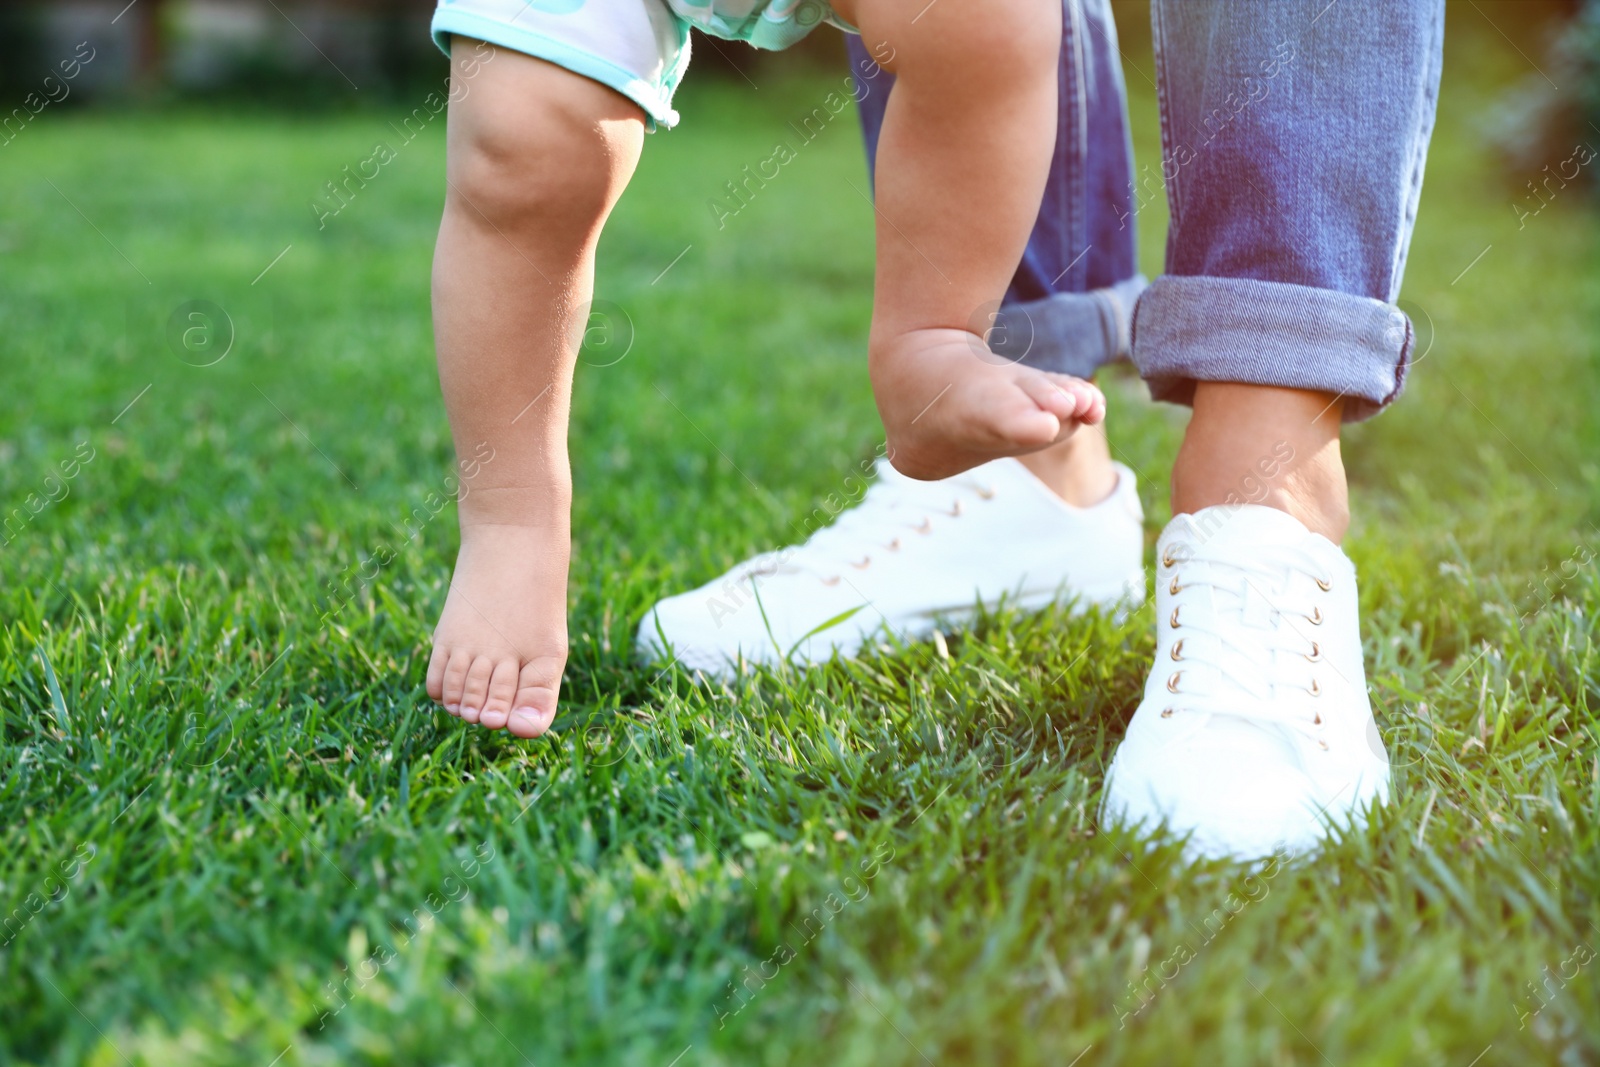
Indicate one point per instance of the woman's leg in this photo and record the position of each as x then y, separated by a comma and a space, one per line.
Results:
1294, 140
537, 156
1295, 135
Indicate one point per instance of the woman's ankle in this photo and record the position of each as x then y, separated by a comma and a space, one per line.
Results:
1279, 448
542, 502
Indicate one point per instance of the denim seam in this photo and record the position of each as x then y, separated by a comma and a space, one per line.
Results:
1073, 195
1082, 48
1114, 44
1429, 103
1060, 154
1164, 115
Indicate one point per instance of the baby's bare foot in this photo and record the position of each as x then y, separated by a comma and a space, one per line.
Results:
946, 408
501, 644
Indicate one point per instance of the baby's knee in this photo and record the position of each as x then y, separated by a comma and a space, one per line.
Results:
550, 167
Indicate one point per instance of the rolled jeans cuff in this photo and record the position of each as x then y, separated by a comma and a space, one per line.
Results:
1069, 333
1190, 329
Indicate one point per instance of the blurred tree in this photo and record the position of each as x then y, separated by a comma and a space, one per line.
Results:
151, 28
1553, 111
21, 42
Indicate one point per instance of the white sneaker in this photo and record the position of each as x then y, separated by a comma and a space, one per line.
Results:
1255, 733
908, 556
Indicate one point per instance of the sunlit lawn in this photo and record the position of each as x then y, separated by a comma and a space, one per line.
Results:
234, 829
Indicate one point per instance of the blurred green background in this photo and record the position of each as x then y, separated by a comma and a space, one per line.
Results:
236, 832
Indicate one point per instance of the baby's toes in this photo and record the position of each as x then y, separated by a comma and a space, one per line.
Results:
502, 688
454, 680
476, 688
1048, 395
1067, 398
436, 663
534, 707
1091, 401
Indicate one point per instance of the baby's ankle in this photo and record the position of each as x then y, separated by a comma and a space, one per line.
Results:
888, 347
545, 504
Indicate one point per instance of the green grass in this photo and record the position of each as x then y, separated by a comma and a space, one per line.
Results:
239, 806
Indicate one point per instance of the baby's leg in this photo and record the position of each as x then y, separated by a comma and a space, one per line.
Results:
962, 162
537, 156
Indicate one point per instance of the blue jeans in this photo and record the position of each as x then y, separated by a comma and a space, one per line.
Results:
1294, 135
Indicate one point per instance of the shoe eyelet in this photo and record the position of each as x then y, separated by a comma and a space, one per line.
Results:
1173, 622
1315, 618
1177, 651
1315, 690
1316, 653
955, 510
1166, 713
1172, 681
894, 546
985, 493
1174, 588
926, 526
1325, 584
831, 581
1317, 720
1324, 745
866, 561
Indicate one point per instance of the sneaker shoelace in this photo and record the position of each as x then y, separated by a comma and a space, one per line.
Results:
892, 508
1254, 659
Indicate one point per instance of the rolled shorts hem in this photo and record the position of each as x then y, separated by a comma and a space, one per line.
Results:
1189, 329
654, 99
1069, 333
